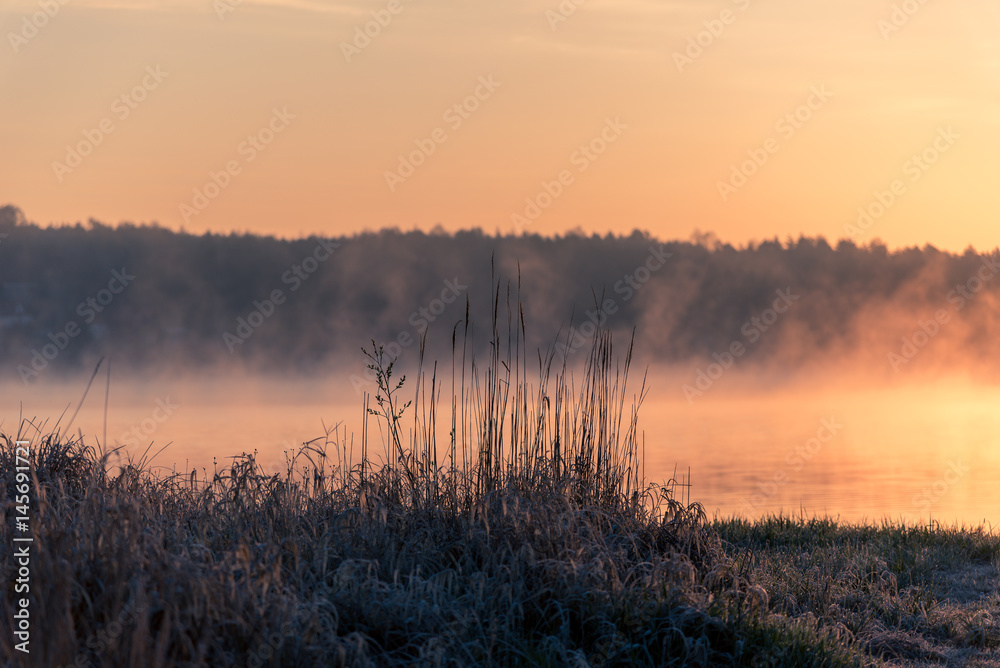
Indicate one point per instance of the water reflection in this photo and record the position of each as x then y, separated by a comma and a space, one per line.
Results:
911, 453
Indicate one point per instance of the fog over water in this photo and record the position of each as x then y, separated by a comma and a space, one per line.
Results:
913, 451
158, 300
839, 378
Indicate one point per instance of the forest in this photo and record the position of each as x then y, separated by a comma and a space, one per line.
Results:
154, 298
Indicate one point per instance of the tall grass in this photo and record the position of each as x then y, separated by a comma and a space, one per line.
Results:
509, 433
531, 538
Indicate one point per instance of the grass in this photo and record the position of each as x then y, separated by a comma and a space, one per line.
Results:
909, 595
529, 538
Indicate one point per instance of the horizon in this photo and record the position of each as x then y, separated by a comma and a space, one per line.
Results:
284, 118
704, 238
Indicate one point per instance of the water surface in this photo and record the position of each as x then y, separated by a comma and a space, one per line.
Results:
930, 451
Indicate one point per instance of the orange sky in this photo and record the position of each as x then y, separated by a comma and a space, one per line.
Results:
673, 129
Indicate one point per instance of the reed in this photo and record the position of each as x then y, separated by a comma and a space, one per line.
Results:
532, 538
515, 430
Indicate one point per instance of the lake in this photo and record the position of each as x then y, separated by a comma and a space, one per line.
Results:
905, 452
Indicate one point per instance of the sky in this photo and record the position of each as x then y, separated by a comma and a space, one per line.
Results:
751, 119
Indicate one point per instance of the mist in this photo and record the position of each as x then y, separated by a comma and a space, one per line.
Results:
219, 344
157, 301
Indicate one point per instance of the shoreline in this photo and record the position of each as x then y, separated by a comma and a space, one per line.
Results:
372, 568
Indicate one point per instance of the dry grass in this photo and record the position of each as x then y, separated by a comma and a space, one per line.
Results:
248, 569
530, 538
908, 595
